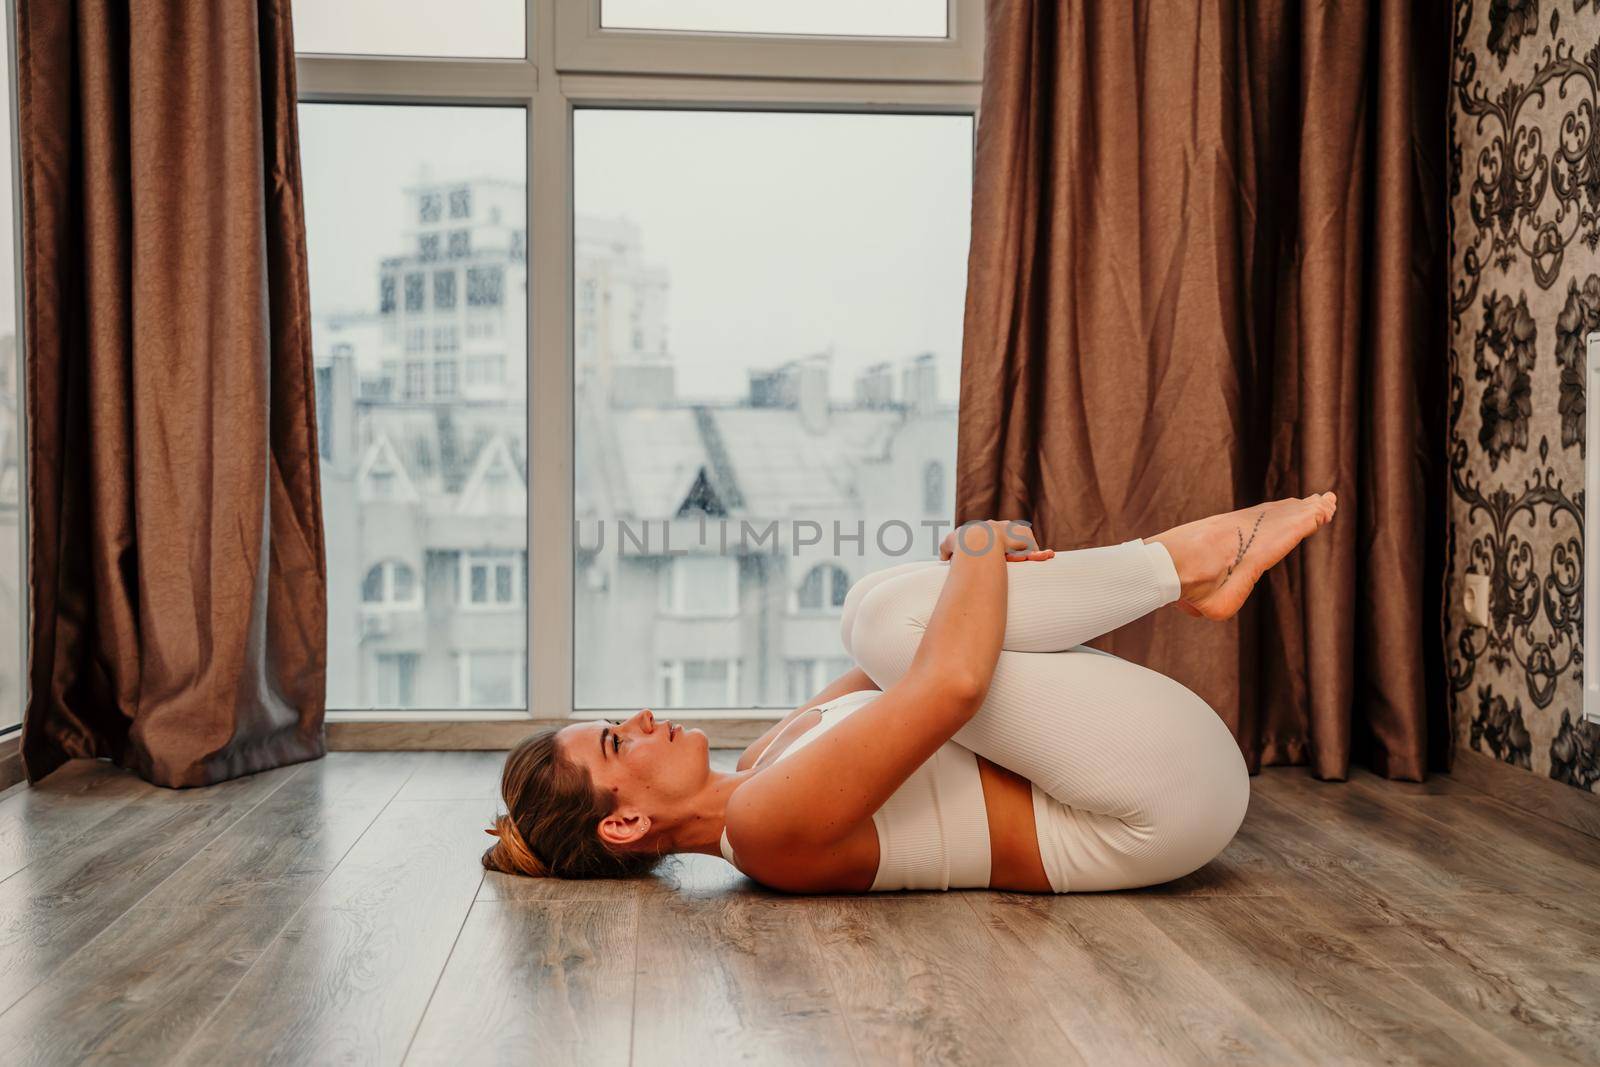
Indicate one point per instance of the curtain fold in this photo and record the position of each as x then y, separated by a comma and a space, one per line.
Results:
176, 549
1207, 269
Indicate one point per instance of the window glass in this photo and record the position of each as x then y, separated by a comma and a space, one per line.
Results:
767, 328
12, 602
837, 18
491, 29
419, 462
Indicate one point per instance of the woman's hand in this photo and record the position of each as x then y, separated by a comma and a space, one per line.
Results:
1011, 536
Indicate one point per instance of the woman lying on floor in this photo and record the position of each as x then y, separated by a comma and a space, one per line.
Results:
977, 743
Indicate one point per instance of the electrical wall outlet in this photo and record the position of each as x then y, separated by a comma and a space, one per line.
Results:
1475, 599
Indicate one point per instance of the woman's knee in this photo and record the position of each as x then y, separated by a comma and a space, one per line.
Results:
858, 592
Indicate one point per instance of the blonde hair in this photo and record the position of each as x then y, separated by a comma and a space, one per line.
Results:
551, 828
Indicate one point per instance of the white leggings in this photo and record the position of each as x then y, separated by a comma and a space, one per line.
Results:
1136, 780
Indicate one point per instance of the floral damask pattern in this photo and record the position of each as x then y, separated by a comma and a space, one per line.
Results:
1505, 356
1524, 187
1579, 317
1509, 22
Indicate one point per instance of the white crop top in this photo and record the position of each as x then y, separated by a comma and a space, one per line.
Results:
933, 832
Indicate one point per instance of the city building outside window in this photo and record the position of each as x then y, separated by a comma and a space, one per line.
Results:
698, 586
416, 295
491, 579
823, 588
428, 246
444, 290
429, 207
933, 502
698, 683
460, 203
391, 583
396, 679
460, 244
444, 379
485, 286
490, 679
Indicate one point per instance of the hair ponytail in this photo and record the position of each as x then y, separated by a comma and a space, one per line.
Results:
551, 828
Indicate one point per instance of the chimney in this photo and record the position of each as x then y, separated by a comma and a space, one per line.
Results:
920, 384
336, 408
811, 387
875, 388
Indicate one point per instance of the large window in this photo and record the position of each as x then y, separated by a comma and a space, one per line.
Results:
599, 286
13, 605
767, 327
420, 462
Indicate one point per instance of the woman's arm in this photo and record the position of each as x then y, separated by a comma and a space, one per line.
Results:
852, 681
779, 820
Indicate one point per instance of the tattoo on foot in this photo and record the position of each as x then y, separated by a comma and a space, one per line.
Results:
1243, 544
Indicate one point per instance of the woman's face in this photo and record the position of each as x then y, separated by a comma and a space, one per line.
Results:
651, 766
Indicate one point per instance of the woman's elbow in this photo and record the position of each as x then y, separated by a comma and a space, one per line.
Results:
965, 689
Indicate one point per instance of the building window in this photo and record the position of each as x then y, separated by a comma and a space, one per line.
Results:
490, 679
491, 579
933, 488
429, 207
428, 246
391, 583
397, 680
416, 295
386, 294
446, 339
698, 683
460, 244
444, 379
485, 286
700, 586
460, 203
416, 338
416, 386
444, 290
519, 245
823, 588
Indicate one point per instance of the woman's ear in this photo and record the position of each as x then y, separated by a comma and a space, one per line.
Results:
624, 827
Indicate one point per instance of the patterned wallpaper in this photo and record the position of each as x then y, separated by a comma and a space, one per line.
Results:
1524, 175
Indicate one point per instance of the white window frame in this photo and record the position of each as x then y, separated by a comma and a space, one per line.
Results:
570, 63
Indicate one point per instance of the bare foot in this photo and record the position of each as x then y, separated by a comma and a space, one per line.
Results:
1219, 559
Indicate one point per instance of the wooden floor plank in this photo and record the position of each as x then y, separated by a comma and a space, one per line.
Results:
1513, 965
921, 982
1322, 990
350, 974
731, 978
58, 903
537, 980
41, 820
138, 991
1440, 857
458, 776
1119, 988
284, 848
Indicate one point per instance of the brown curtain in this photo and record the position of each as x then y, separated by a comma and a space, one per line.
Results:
176, 539
1207, 269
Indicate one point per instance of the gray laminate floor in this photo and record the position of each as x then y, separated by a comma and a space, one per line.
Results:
335, 911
